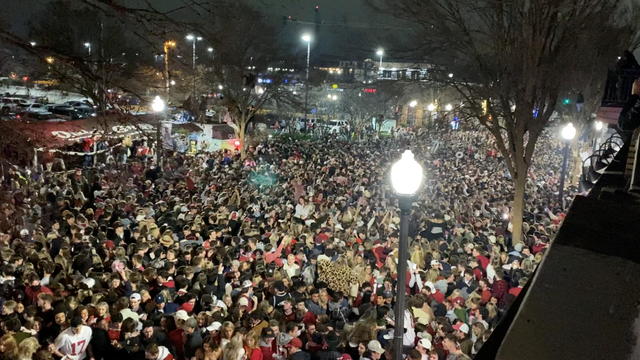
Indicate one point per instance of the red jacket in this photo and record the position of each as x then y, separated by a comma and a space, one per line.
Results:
267, 353
32, 294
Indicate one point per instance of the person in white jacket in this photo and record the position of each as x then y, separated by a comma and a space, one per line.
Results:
157, 352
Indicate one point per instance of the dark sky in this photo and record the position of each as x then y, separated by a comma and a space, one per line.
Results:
349, 29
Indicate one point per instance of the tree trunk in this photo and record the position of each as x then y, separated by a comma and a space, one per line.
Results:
519, 184
241, 136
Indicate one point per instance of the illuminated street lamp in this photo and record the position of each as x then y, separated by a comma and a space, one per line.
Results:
598, 126
194, 39
431, 107
413, 103
166, 46
158, 106
88, 46
32, 43
406, 178
380, 53
568, 133
307, 38
448, 107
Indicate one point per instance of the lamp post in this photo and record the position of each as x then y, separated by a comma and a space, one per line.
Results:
158, 106
307, 38
380, 53
167, 45
194, 39
599, 126
88, 46
568, 133
406, 177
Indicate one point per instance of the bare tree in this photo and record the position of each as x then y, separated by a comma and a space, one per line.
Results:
512, 59
362, 106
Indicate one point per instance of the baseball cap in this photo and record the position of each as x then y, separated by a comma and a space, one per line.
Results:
159, 299
247, 284
181, 315
461, 327
135, 296
295, 342
425, 343
214, 326
374, 346
435, 262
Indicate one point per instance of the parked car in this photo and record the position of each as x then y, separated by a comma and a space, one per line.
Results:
12, 104
337, 126
40, 117
80, 104
36, 108
67, 110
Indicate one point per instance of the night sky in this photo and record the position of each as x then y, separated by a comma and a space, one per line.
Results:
350, 30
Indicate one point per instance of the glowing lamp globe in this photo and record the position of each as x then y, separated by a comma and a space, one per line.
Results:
431, 107
568, 132
599, 125
306, 37
406, 175
157, 105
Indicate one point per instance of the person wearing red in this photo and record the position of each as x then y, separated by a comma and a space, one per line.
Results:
156, 352
34, 289
251, 348
267, 338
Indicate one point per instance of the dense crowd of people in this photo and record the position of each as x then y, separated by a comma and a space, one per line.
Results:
288, 254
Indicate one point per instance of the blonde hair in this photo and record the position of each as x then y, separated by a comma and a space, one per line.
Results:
9, 346
234, 350
27, 348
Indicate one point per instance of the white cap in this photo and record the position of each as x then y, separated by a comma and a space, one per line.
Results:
374, 346
247, 284
425, 343
181, 315
220, 304
215, 326
135, 296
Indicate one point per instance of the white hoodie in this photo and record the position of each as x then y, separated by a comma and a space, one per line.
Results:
163, 352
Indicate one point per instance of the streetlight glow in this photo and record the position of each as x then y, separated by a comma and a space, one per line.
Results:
406, 175
599, 125
413, 103
306, 37
450, 75
87, 44
210, 49
431, 107
190, 37
448, 107
32, 43
568, 132
334, 97
380, 52
157, 105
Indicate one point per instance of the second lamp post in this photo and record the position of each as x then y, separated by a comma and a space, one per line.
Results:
406, 178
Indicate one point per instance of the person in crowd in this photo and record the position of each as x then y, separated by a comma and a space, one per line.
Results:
203, 258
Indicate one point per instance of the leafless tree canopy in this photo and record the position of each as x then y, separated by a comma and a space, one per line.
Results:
513, 59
